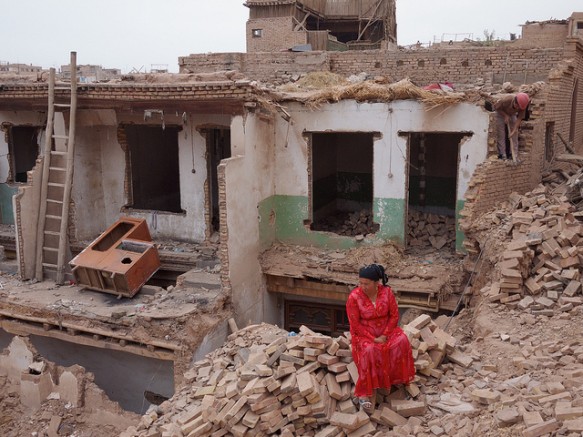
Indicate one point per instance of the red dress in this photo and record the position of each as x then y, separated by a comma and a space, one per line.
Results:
380, 365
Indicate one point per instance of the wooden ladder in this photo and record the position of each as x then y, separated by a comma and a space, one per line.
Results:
57, 177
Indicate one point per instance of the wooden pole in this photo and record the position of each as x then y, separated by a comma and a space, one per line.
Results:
63, 237
42, 210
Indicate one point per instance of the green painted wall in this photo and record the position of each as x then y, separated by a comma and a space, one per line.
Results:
282, 219
459, 235
6, 210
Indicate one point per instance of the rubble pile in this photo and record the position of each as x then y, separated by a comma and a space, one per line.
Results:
350, 224
266, 382
431, 230
540, 270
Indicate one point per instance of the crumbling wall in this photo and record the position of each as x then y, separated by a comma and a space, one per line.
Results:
458, 65
277, 33
544, 34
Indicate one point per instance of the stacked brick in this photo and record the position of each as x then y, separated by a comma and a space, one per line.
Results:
540, 271
265, 382
431, 230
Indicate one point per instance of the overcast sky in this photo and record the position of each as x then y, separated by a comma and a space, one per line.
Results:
136, 34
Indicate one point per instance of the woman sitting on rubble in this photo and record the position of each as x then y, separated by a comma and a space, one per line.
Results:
380, 349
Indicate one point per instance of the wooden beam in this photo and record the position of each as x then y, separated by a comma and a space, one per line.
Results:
25, 329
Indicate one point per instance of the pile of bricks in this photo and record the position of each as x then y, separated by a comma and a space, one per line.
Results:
266, 382
540, 270
350, 224
431, 230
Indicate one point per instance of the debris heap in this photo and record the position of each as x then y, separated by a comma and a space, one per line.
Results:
431, 230
267, 382
540, 270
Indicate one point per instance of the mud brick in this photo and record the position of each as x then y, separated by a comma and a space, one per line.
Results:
574, 425
571, 274
305, 383
337, 367
248, 390
553, 295
250, 419
296, 353
555, 397
276, 355
284, 370
575, 301
541, 428
221, 416
239, 430
346, 390
486, 396
567, 412
274, 346
512, 263
327, 359
235, 408
190, 415
311, 367
263, 370
367, 428
420, 322
258, 406
292, 359
429, 338
547, 313
572, 289
552, 266
518, 244
525, 302
534, 239
532, 418
553, 285
203, 391
346, 406
333, 386
449, 340
343, 377
239, 416
511, 298
314, 397
390, 418
409, 408
459, 358
187, 428
201, 430
411, 332
413, 390
532, 286
545, 302
571, 261
511, 275
319, 339
344, 353
437, 355
345, 421
512, 254
329, 431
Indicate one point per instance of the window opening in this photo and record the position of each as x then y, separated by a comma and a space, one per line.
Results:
24, 150
433, 168
218, 148
257, 33
155, 176
342, 183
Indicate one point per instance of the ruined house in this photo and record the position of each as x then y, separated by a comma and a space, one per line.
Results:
216, 154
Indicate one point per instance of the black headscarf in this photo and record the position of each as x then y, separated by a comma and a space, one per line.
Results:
374, 272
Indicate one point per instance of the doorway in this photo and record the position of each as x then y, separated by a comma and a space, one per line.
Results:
24, 149
432, 191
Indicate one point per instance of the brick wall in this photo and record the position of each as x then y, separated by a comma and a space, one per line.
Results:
458, 65
276, 34
544, 34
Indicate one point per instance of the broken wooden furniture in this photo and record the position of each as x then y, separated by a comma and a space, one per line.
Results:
120, 261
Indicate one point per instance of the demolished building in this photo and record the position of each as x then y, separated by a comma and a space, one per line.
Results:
237, 175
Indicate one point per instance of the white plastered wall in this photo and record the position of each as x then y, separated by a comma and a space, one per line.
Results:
102, 157
390, 149
17, 118
248, 182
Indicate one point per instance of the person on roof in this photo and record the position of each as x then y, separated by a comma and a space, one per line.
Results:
510, 111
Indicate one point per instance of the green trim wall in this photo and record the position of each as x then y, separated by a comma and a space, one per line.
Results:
6, 210
459, 235
281, 218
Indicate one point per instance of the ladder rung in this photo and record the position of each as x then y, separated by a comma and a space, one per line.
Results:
57, 168
54, 217
50, 249
49, 265
63, 105
60, 137
58, 152
55, 184
51, 233
60, 202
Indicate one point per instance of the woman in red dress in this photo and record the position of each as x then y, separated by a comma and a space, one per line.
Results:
380, 349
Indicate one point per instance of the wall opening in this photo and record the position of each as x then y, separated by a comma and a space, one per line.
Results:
24, 149
323, 318
549, 145
154, 173
432, 191
342, 183
218, 145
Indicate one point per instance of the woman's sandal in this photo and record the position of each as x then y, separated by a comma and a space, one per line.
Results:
365, 404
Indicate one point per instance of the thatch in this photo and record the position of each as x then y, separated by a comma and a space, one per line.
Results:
316, 80
373, 92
